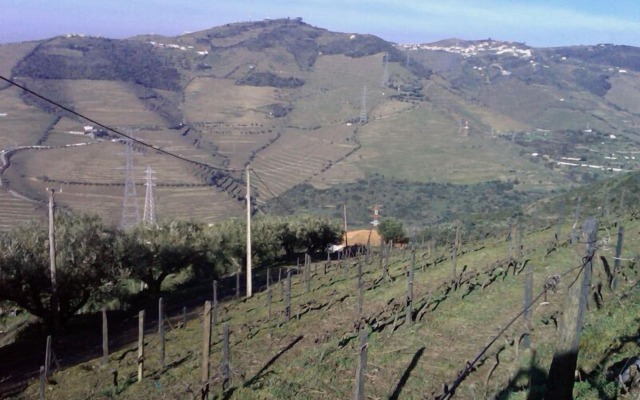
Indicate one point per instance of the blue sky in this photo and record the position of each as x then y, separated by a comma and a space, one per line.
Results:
538, 23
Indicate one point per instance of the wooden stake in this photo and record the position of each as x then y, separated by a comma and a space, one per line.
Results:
206, 343
362, 366
47, 356
269, 299
528, 298
105, 337
562, 371
215, 303
161, 330
226, 368
307, 271
238, 284
616, 261
409, 309
43, 382
268, 278
140, 345
287, 310
360, 291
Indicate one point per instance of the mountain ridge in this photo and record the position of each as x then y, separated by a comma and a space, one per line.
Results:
305, 105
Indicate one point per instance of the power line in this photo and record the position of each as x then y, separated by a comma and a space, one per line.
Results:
138, 141
271, 192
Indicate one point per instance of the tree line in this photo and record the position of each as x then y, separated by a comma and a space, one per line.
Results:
95, 260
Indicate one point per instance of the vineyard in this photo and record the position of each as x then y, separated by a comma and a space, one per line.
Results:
462, 320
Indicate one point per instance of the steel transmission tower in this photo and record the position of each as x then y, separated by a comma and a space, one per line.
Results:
385, 73
149, 215
363, 111
130, 214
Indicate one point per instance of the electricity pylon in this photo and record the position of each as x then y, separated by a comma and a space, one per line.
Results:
149, 215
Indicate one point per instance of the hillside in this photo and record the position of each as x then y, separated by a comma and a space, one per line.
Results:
314, 352
306, 106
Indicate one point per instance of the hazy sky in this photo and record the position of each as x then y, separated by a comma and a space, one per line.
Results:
536, 22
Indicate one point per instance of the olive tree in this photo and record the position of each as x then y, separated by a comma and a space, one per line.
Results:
391, 229
151, 254
85, 264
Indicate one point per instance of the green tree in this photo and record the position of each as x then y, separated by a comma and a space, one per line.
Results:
316, 233
151, 254
391, 229
85, 263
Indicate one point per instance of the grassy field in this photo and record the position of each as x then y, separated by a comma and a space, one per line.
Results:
314, 355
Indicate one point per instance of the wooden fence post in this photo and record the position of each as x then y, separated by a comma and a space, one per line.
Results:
560, 220
563, 367
140, 345
384, 271
269, 299
528, 298
105, 337
161, 331
512, 234
43, 382
576, 216
519, 248
287, 309
409, 311
214, 311
47, 357
360, 291
226, 368
268, 278
616, 262
238, 284
454, 262
206, 343
362, 366
307, 271
387, 255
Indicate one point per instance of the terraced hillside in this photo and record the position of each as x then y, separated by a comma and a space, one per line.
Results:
305, 105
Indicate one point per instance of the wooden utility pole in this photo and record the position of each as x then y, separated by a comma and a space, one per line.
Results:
344, 217
249, 288
52, 266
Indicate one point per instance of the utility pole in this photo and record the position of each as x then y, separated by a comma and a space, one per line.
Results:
385, 74
363, 110
249, 288
344, 216
52, 265
130, 214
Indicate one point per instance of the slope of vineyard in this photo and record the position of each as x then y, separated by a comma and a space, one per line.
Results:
314, 354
